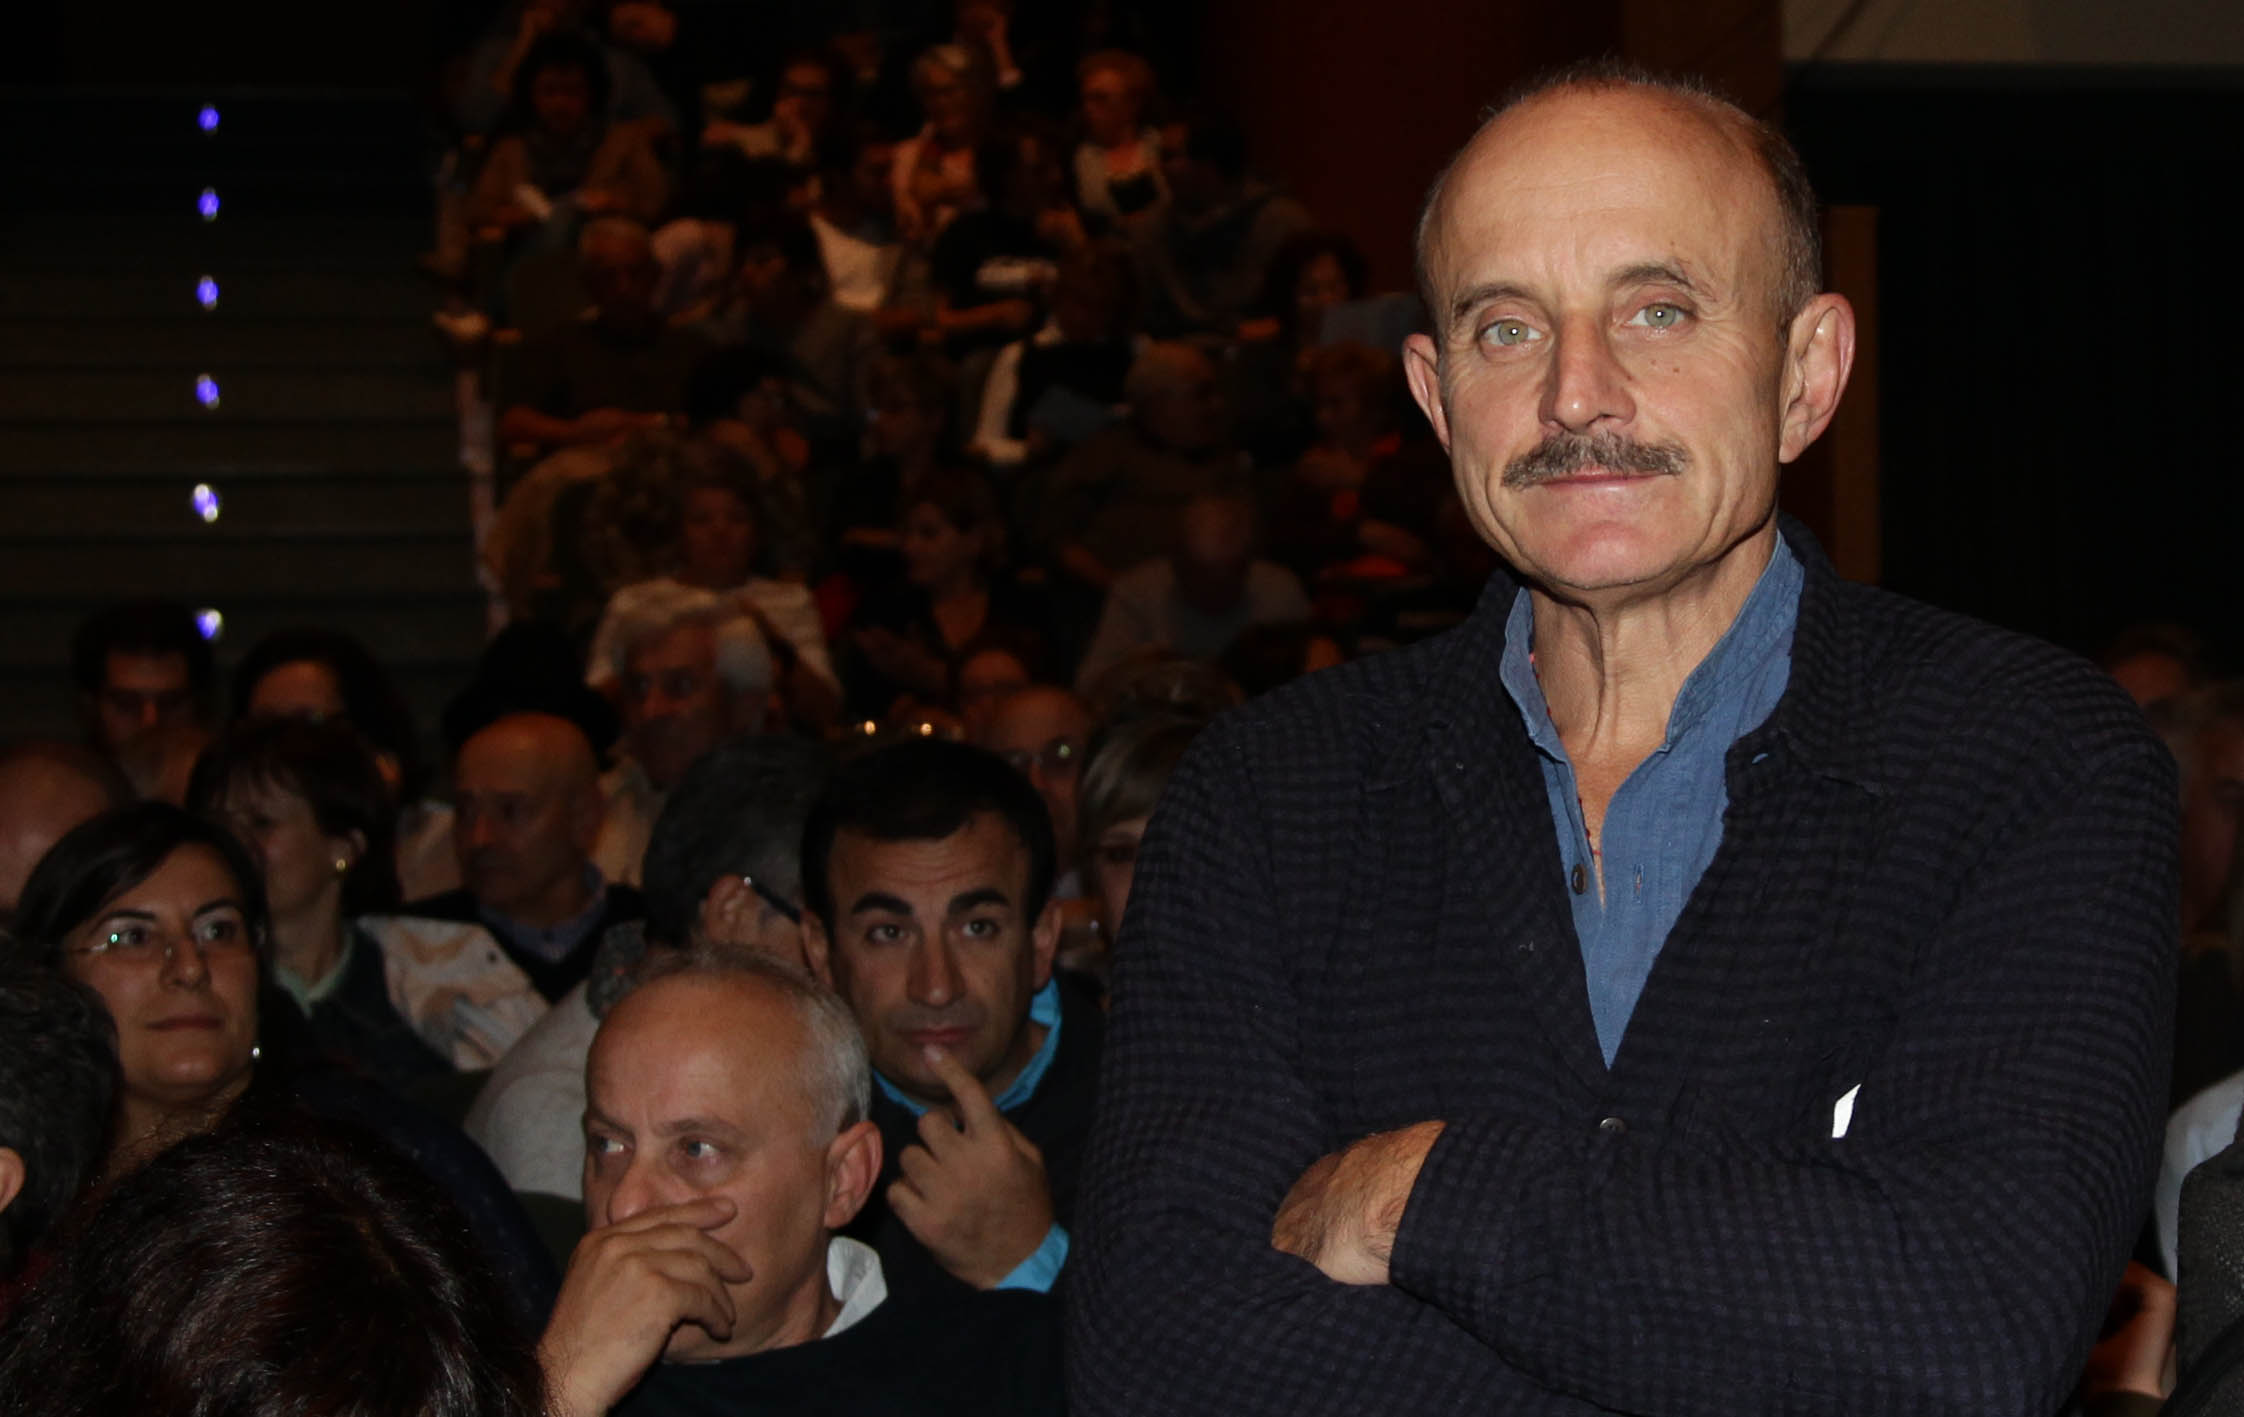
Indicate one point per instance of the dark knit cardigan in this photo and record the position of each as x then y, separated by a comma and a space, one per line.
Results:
1947, 874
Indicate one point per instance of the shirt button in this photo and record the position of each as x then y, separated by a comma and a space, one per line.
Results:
1581, 878
1612, 1125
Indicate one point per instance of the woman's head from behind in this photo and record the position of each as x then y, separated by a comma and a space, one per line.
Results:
309, 799
310, 671
160, 913
275, 1265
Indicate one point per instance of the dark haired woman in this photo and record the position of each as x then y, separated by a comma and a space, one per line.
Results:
163, 915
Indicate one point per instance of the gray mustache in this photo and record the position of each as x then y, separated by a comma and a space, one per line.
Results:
1567, 454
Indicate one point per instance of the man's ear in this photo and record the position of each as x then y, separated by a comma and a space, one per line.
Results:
11, 1175
1422, 367
1044, 942
852, 1166
1819, 355
816, 949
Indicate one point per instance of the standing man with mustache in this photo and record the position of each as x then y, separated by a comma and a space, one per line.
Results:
1696, 984
927, 877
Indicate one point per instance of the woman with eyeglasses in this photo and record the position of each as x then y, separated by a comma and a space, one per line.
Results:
162, 914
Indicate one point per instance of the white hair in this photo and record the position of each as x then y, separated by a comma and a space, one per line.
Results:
645, 613
836, 1072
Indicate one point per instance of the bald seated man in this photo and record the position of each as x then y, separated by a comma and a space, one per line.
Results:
46, 788
527, 792
726, 1142
1696, 984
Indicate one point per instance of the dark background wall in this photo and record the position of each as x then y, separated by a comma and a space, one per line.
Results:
2058, 263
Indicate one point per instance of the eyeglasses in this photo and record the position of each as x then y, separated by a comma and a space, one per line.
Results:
141, 942
1057, 756
774, 899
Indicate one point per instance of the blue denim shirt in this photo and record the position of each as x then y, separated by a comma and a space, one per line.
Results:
1042, 1268
1663, 825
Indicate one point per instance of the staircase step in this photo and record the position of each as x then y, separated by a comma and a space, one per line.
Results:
118, 395
57, 448
252, 292
393, 503
212, 566
198, 341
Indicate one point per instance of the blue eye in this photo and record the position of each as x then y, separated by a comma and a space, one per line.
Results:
1660, 315
1509, 332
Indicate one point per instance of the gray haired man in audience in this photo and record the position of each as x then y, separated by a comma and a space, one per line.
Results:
725, 1142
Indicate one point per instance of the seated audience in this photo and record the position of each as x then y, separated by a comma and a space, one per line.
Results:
405, 1002
927, 871
308, 671
1118, 163
1361, 503
1041, 730
907, 438
1124, 769
1049, 392
563, 161
1312, 273
988, 674
498, 69
691, 672
1205, 257
933, 177
161, 914
58, 1081
274, 1266
618, 369
726, 1143
1199, 599
527, 790
719, 548
855, 222
144, 676
723, 870
2156, 662
906, 641
994, 263
803, 113
2205, 731
1117, 500
782, 305
45, 790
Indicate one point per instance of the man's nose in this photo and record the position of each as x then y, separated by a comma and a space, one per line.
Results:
636, 1190
934, 978
1586, 383
148, 711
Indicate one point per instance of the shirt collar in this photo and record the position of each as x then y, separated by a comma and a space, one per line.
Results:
1763, 628
1044, 1008
319, 991
853, 1273
553, 943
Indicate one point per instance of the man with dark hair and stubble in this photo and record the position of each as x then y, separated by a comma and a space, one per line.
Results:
143, 671
927, 871
1696, 984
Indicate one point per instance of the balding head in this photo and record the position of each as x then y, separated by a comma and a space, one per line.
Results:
45, 790
1042, 731
1174, 395
616, 260
528, 793
1793, 232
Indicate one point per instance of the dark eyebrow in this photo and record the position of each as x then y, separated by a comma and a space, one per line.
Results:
986, 895
226, 902
880, 900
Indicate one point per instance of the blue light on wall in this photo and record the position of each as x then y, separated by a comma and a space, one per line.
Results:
205, 502
210, 623
206, 391
207, 119
206, 293
207, 204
